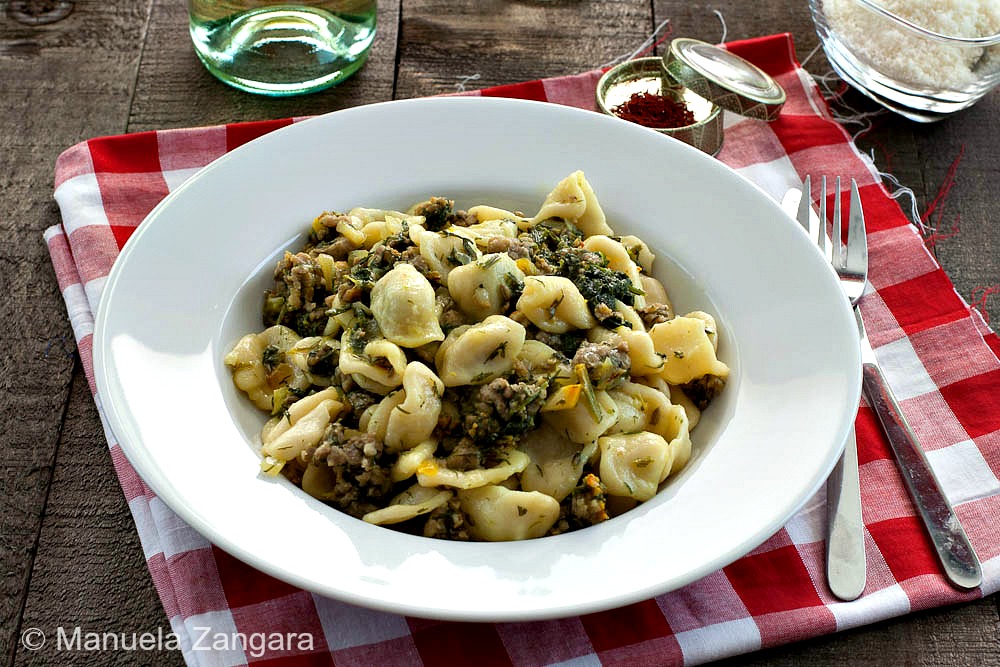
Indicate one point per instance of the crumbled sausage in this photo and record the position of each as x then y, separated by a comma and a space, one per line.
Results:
655, 313
503, 408
360, 473
515, 248
436, 212
450, 315
448, 522
585, 506
297, 278
607, 363
702, 390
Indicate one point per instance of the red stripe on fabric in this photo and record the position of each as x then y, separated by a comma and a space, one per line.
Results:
121, 234
624, 626
708, 601
529, 90
191, 148
197, 582
243, 585
933, 590
773, 581
292, 617
872, 445
158, 572
938, 348
86, 348
882, 493
989, 447
72, 162
976, 402
128, 198
881, 212
545, 642
449, 644
130, 482
238, 134
398, 652
795, 625
62, 261
980, 520
779, 540
993, 341
774, 54
799, 133
650, 653
94, 250
905, 547
924, 302
125, 153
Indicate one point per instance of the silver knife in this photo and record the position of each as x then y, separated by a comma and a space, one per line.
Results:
954, 550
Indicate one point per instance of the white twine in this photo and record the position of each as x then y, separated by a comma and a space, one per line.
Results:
460, 86
845, 114
646, 43
811, 54
722, 20
899, 190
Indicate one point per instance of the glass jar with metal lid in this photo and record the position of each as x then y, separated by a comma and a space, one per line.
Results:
701, 77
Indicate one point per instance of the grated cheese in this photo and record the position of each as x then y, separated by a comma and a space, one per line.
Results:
904, 56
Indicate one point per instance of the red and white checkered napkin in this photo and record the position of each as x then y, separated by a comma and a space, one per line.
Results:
939, 356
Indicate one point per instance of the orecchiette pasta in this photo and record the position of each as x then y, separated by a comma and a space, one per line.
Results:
381, 361
632, 463
477, 374
687, 350
410, 504
478, 353
574, 199
500, 514
485, 287
404, 307
554, 304
413, 419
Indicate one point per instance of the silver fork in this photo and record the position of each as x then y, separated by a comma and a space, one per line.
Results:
846, 566
957, 556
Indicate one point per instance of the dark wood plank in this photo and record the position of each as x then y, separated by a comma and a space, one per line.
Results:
946, 637
90, 571
443, 43
968, 238
60, 82
173, 89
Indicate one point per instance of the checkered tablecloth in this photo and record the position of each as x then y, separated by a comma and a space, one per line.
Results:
938, 354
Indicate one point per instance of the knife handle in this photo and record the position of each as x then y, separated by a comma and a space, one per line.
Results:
961, 565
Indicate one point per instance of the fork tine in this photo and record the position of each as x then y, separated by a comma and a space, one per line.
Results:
857, 244
821, 235
805, 203
838, 244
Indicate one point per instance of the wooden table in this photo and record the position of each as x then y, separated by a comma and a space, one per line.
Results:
70, 554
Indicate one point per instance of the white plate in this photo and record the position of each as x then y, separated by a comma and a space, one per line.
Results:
190, 280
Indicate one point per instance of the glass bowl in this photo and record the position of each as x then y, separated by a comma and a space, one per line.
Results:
921, 59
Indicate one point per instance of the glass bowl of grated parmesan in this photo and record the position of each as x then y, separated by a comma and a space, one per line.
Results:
924, 59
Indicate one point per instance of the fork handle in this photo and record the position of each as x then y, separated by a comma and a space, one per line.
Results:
961, 565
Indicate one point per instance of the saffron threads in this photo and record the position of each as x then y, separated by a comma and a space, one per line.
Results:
655, 111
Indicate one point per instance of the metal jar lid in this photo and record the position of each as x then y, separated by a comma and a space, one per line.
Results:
724, 78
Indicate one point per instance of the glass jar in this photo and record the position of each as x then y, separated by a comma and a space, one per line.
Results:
282, 48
